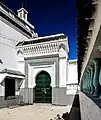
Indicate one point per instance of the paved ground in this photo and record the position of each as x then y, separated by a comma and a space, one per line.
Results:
33, 112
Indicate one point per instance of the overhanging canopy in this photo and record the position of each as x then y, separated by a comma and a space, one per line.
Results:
10, 73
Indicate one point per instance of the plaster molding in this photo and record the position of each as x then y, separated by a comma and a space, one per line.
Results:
44, 48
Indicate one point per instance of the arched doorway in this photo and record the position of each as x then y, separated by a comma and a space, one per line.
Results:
43, 90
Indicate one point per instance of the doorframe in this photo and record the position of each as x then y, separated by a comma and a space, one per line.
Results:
49, 85
9, 78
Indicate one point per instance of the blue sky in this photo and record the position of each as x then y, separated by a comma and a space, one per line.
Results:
51, 17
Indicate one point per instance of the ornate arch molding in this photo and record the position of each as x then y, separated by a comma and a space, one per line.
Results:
1, 62
19, 52
62, 46
39, 72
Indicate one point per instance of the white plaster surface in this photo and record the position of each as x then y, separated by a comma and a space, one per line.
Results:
21, 66
62, 67
8, 54
8, 39
72, 73
23, 84
89, 110
2, 90
62, 72
33, 71
72, 81
44, 49
2, 77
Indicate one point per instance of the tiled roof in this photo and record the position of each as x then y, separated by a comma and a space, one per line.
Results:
13, 72
42, 39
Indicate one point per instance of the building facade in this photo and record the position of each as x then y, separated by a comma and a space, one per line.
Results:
13, 28
44, 57
72, 81
33, 69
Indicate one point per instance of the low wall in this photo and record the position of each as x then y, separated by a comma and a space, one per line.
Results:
70, 96
6, 103
59, 96
88, 109
2, 102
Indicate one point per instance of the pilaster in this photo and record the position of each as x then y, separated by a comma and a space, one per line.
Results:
96, 77
85, 82
91, 79
62, 67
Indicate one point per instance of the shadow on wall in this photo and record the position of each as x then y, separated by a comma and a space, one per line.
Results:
75, 110
70, 99
96, 100
74, 113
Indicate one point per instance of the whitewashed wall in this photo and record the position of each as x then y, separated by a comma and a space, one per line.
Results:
89, 109
72, 73
62, 67
21, 63
8, 39
71, 81
36, 70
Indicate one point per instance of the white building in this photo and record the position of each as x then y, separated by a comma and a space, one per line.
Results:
45, 57
72, 81
13, 29
33, 69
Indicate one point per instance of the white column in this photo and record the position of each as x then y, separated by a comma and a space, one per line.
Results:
21, 66
20, 63
62, 68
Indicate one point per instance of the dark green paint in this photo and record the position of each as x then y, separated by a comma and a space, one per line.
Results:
43, 90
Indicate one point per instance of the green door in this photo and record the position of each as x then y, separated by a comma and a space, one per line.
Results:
43, 90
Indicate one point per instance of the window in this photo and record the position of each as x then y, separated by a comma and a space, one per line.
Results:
24, 15
20, 14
